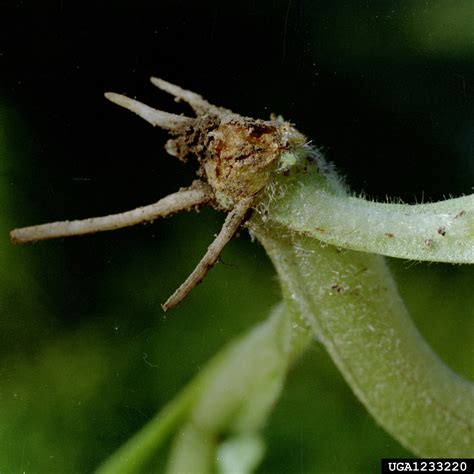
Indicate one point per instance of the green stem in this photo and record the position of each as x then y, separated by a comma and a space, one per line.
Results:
309, 200
237, 399
140, 448
132, 455
233, 395
351, 302
193, 452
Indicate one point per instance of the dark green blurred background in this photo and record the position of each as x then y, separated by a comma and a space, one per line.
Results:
86, 354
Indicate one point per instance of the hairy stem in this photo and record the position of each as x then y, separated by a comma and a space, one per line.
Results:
351, 302
313, 202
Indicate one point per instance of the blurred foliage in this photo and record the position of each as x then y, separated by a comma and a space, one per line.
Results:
87, 356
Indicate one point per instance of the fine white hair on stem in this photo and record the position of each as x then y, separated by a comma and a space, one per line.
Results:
185, 199
434, 232
156, 117
231, 225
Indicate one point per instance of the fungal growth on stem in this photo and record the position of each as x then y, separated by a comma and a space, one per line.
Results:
236, 156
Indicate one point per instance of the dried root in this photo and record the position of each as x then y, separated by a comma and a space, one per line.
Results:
233, 221
183, 200
236, 156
